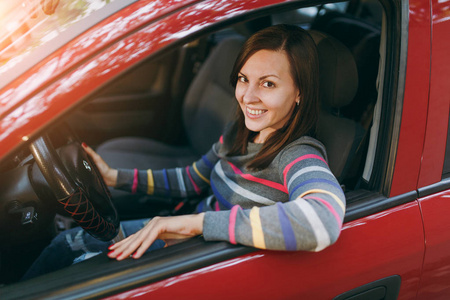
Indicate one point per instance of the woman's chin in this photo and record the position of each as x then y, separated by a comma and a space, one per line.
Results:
250, 124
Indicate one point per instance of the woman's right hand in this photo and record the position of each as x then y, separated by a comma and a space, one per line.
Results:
109, 174
170, 229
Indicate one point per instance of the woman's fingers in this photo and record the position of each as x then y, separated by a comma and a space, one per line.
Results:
90, 151
125, 249
143, 246
136, 244
101, 164
109, 175
170, 229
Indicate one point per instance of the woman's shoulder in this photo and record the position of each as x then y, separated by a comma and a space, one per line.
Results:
303, 146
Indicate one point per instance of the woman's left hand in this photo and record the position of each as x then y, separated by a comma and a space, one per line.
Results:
169, 229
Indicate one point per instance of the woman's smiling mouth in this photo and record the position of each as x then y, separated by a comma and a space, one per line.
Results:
255, 112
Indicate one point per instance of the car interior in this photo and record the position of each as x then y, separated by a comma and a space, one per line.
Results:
169, 110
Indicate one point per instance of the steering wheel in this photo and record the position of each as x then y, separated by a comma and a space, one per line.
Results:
78, 187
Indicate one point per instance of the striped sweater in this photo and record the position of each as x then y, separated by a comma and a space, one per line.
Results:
295, 203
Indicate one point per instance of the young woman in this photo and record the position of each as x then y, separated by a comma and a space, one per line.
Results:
272, 188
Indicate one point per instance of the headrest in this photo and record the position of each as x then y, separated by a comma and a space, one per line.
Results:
338, 75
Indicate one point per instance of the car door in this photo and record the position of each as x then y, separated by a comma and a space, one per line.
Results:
434, 183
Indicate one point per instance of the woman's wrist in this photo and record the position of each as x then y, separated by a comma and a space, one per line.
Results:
199, 221
111, 177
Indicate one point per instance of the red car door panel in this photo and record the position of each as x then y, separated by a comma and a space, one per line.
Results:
371, 248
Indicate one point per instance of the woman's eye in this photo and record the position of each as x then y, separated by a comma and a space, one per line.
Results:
242, 79
268, 84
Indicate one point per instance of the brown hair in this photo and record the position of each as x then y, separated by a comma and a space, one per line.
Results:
303, 59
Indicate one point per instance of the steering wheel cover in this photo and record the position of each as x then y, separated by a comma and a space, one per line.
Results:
86, 216
97, 216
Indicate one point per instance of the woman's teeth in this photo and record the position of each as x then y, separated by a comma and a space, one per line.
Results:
255, 111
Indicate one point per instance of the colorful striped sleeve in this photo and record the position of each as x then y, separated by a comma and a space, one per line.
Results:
311, 220
188, 181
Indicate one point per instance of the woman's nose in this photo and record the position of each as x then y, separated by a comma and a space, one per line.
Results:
250, 95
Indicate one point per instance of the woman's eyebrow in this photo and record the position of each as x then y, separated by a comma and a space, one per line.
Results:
262, 77
270, 75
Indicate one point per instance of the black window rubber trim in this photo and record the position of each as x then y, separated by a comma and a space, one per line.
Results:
440, 186
373, 203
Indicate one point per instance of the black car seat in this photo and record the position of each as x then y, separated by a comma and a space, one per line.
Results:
210, 103
208, 106
338, 77
362, 38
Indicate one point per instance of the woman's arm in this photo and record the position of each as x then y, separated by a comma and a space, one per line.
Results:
311, 219
189, 181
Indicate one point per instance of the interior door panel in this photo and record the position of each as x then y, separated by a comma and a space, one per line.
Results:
136, 104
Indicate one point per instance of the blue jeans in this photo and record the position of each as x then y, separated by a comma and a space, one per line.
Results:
75, 245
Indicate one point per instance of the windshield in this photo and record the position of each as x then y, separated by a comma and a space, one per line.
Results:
31, 27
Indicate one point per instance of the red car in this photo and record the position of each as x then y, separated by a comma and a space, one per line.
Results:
103, 71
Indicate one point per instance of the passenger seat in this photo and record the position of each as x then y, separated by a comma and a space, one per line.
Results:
208, 106
338, 78
362, 38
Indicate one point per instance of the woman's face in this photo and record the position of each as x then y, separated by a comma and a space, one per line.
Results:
266, 92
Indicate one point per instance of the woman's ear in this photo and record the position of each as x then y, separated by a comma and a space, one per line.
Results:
297, 99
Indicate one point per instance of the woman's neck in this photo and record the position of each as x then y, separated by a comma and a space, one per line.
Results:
259, 139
